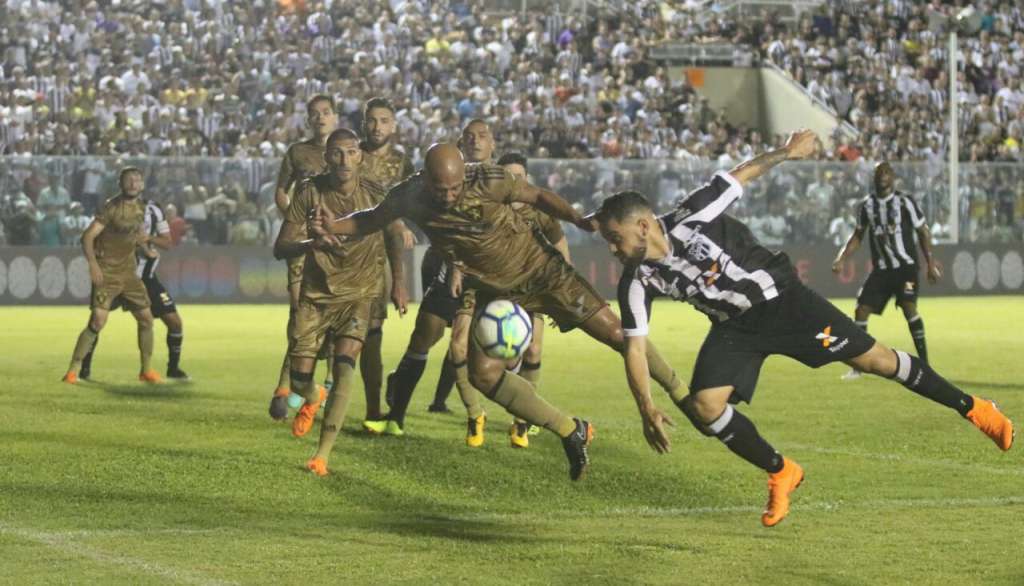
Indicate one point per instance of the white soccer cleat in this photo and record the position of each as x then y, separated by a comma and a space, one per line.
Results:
854, 374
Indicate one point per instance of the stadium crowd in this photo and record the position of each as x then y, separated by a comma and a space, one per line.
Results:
190, 78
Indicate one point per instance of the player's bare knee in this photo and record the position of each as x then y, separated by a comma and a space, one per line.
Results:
862, 312
145, 320
879, 360
173, 322
708, 405
97, 321
425, 334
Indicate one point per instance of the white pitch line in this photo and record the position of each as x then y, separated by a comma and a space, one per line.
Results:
826, 506
890, 457
62, 542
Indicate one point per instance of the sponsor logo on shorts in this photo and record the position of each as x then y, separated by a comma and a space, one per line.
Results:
826, 337
908, 287
832, 343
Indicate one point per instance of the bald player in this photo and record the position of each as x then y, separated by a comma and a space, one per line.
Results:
339, 284
466, 212
302, 160
385, 163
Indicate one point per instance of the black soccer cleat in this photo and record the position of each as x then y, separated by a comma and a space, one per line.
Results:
389, 392
442, 408
576, 448
177, 374
279, 407
84, 374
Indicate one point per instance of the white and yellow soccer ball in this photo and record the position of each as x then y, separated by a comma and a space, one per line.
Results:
503, 330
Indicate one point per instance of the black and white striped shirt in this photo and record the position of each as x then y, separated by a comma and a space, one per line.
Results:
714, 262
155, 224
891, 224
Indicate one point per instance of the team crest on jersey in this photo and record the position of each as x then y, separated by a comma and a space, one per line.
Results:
699, 249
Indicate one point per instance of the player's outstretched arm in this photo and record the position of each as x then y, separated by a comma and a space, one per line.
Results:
552, 204
358, 223
800, 145
639, 379
847, 250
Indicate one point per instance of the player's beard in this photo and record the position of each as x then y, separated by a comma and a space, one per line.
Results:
635, 257
374, 145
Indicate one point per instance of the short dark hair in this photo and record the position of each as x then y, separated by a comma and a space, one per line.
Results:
513, 158
342, 134
378, 102
127, 171
622, 205
319, 98
476, 121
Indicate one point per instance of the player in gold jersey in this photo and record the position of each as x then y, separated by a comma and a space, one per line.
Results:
466, 212
339, 283
301, 160
109, 245
385, 163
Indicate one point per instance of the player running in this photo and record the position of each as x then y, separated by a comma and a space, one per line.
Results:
339, 284
301, 160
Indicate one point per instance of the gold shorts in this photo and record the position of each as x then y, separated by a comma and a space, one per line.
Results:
295, 265
554, 289
313, 320
130, 288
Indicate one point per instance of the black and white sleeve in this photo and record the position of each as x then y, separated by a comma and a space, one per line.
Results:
712, 199
634, 305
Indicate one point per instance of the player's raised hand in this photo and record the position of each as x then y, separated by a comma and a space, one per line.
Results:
587, 223
802, 144
318, 221
654, 429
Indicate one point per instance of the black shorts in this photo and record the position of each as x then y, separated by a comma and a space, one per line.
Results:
883, 284
799, 324
160, 301
437, 299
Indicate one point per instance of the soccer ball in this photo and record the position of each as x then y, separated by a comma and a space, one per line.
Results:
503, 330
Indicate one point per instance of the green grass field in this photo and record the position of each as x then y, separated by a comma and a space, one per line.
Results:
112, 482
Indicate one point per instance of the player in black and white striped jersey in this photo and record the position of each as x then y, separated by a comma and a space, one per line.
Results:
758, 308
894, 226
161, 302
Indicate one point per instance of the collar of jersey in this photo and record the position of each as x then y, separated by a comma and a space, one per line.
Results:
888, 197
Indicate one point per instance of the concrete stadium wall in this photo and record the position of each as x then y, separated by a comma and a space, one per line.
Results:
735, 90
760, 98
786, 107
224, 274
